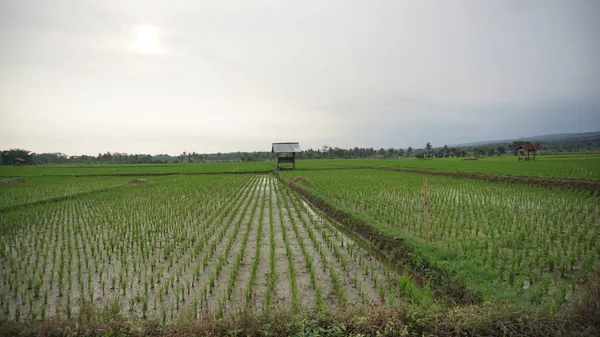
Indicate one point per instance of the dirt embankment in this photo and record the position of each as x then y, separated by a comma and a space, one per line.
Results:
298, 180
160, 174
13, 181
587, 185
138, 181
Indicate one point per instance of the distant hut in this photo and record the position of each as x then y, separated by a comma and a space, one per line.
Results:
526, 148
18, 161
286, 153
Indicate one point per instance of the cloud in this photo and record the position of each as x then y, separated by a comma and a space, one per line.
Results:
217, 76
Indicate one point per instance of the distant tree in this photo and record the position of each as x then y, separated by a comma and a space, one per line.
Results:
409, 151
391, 152
501, 150
9, 156
428, 147
401, 152
55, 158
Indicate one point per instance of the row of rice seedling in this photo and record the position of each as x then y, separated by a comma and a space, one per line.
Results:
181, 246
352, 270
35, 189
99, 247
541, 241
577, 167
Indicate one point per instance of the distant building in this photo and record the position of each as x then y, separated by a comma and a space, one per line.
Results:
526, 148
18, 161
286, 153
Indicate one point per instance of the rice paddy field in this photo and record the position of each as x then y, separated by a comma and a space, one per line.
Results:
542, 242
585, 167
183, 246
132, 169
200, 245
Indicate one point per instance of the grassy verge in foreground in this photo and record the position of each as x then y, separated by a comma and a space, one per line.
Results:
579, 320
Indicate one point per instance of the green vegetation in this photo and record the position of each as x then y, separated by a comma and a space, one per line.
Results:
125, 169
36, 189
186, 249
541, 242
572, 167
176, 245
577, 167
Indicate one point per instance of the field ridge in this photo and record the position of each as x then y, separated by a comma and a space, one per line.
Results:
579, 184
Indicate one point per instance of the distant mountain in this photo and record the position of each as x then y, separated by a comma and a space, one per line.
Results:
541, 138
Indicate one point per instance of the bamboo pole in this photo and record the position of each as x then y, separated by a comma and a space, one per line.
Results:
426, 209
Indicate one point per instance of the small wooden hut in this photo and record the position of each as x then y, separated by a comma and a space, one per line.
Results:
525, 149
18, 161
286, 153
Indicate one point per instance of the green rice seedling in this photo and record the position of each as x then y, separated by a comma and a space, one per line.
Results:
513, 222
144, 306
37, 286
289, 253
33, 315
250, 285
23, 296
30, 301
272, 271
123, 282
68, 306
337, 286
308, 260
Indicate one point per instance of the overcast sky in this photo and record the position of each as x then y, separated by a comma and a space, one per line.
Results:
170, 76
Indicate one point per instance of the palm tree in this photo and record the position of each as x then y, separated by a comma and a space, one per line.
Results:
428, 147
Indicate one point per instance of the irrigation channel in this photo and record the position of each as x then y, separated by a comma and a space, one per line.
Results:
184, 247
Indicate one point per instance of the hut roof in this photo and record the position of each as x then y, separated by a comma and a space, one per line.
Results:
286, 147
529, 146
19, 159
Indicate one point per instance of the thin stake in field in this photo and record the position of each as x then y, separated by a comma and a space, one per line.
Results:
426, 208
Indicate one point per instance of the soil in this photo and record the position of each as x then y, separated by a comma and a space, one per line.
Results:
13, 181
586, 185
298, 180
138, 181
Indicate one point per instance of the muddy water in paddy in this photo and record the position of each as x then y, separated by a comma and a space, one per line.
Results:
113, 231
359, 286
261, 284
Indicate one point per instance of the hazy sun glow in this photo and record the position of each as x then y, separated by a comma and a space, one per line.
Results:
145, 40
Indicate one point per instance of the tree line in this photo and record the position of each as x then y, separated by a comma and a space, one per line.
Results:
7, 157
